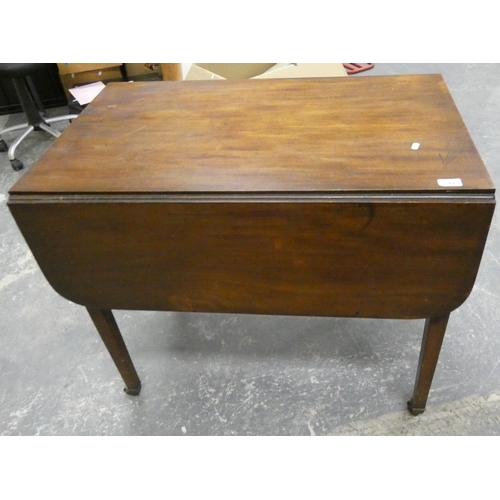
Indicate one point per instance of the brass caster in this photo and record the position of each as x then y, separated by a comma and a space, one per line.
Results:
132, 392
414, 411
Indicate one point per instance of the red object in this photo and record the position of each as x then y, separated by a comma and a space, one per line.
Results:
353, 68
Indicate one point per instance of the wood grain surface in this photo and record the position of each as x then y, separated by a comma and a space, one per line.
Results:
385, 259
286, 135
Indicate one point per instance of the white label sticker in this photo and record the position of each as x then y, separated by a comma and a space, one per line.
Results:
415, 146
450, 182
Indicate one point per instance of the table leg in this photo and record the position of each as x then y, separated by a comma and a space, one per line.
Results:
434, 331
106, 325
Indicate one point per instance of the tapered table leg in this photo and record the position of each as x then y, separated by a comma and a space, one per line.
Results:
434, 331
106, 325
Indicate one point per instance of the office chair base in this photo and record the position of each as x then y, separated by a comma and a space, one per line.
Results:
45, 125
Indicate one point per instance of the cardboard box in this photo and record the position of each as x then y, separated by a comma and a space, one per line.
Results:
72, 80
164, 71
231, 71
142, 70
73, 74
69, 68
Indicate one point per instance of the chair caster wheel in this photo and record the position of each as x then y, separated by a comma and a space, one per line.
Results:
16, 164
3, 146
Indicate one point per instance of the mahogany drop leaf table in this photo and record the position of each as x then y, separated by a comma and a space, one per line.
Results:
361, 197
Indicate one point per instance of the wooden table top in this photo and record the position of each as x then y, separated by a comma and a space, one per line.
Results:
328, 135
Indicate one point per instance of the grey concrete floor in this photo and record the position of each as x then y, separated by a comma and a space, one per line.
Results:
214, 374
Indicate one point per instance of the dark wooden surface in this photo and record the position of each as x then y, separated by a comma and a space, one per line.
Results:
367, 259
305, 135
105, 324
270, 196
432, 341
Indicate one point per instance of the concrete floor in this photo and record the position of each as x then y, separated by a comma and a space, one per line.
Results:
249, 375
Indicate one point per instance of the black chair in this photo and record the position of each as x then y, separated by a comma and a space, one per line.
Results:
21, 73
